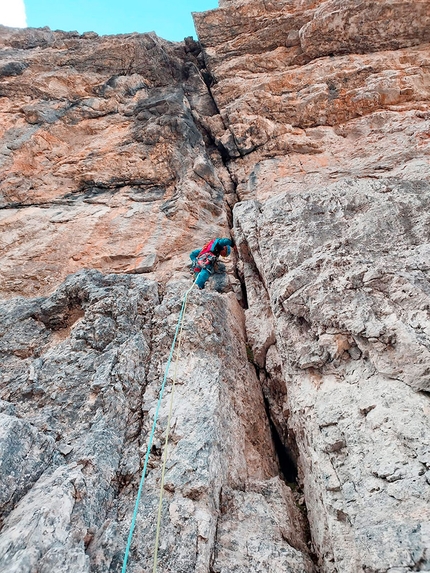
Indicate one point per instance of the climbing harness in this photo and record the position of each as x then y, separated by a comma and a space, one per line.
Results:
204, 261
178, 330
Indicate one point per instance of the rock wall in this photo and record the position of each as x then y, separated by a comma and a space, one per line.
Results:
104, 160
301, 434
81, 374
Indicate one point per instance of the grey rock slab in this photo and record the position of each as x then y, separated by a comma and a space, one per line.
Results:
265, 506
39, 533
317, 252
211, 444
148, 264
26, 453
79, 383
87, 385
346, 275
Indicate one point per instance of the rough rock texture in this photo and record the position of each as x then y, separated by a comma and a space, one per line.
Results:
85, 381
310, 120
104, 164
301, 437
326, 108
352, 325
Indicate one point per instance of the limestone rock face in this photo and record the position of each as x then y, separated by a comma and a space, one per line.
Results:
296, 119
102, 155
364, 26
328, 134
352, 324
300, 434
85, 393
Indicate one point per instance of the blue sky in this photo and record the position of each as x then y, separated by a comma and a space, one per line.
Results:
170, 19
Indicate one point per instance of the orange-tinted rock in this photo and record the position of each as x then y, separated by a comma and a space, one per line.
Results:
365, 26
120, 154
294, 121
327, 126
103, 159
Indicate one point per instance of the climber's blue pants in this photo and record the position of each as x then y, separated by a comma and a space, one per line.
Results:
202, 277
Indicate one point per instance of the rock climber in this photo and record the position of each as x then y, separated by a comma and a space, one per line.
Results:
204, 260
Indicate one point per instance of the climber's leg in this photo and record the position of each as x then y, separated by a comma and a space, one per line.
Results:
202, 278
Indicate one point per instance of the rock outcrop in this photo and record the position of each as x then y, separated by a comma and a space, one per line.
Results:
350, 321
105, 165
300, 438
79, 394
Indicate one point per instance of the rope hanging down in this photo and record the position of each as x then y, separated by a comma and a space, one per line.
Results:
151, 437
166, 442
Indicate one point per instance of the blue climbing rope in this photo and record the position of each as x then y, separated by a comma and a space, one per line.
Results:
151, 437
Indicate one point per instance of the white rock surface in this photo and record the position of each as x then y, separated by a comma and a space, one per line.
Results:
346, 270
